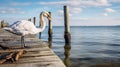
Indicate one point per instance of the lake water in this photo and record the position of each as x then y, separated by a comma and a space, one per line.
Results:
90, 45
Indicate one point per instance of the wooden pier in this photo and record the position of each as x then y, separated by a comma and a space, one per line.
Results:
37, 55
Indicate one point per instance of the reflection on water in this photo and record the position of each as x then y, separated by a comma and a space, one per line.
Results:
67, 48
90, 46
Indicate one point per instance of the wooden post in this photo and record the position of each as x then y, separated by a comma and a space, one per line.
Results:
29, 19
34, 20
67, 35
2, 23
50, 32
39, 32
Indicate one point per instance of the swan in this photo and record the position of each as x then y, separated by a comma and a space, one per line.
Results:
25, 27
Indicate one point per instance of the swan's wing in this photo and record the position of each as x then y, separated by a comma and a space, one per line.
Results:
15, 24
30, 27
15, 28
23, 27
12, 27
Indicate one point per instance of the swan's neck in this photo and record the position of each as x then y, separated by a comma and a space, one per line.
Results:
42, 22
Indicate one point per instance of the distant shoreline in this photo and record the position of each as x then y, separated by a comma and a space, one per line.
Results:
91, 26
86, 26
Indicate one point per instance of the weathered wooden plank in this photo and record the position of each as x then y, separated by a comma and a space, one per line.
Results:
39, 59
34, 49
38, 54
35, 54
36, 64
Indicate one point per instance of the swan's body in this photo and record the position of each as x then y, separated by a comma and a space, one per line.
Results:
25, 27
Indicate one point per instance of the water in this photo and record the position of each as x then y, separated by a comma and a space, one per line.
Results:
90, 45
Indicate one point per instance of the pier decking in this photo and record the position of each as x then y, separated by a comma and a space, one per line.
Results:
38, 55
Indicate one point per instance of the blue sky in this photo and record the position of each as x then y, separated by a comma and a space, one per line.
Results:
81, 12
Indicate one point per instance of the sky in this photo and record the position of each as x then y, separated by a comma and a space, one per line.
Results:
81, 12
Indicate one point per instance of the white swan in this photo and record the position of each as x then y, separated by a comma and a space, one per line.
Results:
25, 27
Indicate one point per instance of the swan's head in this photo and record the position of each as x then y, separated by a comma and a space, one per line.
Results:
46, 14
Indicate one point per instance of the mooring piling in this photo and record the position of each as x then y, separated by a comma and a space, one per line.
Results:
34, 20
67, 35
50, 28
39, 26
50, 31
29, 19
2, 23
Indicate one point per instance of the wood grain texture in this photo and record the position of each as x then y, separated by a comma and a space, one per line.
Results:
37, 55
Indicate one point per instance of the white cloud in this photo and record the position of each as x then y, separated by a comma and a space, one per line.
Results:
20, 4
103, 1
81, 3
11, 11
54, 3
115, 1
17, 4
88, 3
95, 3
60, 12
83, 19
109, 10
2, 12
70, 14
76, 10
105, 14
95, 22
